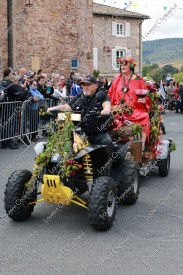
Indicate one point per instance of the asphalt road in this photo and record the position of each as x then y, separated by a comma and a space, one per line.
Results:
146, 238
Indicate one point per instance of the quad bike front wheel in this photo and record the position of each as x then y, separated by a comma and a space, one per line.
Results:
102, 206
128, 189
164, 166
17, 196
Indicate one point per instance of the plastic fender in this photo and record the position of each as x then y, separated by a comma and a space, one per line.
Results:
165, 148
39, 148
88, 150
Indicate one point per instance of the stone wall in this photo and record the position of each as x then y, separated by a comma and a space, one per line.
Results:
102, 28
3, 36
55, 32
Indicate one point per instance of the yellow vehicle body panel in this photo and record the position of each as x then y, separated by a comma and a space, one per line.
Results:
54, 191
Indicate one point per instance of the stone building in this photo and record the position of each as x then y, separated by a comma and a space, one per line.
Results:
51, 35
116, 33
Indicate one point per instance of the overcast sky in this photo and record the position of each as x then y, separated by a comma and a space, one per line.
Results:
170, 27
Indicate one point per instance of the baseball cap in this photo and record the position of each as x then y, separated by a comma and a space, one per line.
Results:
91, 79
27, 75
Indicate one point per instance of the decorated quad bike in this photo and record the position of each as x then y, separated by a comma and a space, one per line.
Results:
71, 170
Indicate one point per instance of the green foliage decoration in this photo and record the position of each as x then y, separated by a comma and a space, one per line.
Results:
59, 142
96, 73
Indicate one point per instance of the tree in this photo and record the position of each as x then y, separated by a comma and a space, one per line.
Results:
147, 68
155, 74
168, 69
154, 66
178, 77
181, 69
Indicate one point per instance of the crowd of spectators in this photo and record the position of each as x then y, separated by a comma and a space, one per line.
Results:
171, 94
35, 86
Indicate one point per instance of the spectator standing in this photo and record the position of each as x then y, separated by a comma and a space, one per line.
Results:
34, 117
70, 83
104, 87
14, 92
46, 77
170, 95
168, 78
27, 79
76, 88
63, 89
180, 89
43, 89
39, 73
177, 99
61, 82
55, 80
35, 77
21, 74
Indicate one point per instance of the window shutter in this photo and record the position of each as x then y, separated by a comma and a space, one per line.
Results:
95, 58
127, 29
114, 28
114, 67
128, 53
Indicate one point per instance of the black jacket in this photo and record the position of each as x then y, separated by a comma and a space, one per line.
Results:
90, 125
13, 91
69, 85
16, 93
43, 89
180, 90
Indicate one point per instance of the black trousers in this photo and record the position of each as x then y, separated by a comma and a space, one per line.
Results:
102, 139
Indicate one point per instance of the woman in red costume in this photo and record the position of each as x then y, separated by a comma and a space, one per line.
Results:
123, 90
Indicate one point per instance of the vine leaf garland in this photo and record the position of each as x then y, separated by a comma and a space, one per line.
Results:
59, 142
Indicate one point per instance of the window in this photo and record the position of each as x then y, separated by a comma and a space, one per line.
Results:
120, 29
74, 64
119, 54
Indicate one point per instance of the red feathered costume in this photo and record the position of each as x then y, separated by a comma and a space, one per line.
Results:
139, 115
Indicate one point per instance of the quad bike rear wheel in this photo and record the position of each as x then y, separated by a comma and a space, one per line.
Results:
128, 189
17, 197
164, 166
102, 206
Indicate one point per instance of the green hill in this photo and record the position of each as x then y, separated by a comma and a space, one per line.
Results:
162, 51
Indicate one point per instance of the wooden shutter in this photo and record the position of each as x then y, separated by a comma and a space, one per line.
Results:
114, 60
114, 28
127, 29
95, 58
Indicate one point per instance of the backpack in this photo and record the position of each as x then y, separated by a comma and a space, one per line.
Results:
4, 85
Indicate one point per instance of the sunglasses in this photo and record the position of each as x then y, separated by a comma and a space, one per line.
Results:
34, 84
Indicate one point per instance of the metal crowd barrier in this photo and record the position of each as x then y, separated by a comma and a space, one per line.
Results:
18, 119
30, 121
10, 120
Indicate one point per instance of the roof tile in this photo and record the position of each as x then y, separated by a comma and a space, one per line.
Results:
108, 10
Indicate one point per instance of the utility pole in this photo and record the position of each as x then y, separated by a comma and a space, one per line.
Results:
10, 32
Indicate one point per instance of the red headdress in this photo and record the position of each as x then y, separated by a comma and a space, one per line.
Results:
125, 59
